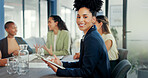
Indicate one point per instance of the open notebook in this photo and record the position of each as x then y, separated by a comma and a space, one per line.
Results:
50, 61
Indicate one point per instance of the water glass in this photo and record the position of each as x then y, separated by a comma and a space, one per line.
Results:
22, 67
40, 52
11, 65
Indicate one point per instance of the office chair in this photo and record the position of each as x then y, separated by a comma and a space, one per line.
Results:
121, 69
122, 54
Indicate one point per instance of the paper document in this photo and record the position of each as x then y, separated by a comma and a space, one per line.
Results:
52, 57
50, 61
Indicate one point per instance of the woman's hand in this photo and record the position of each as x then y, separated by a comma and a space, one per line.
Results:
48, 50
56, 60
3, 62
36, 47
15, 53
76, 56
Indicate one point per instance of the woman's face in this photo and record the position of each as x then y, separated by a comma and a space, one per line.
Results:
51, 23
85, 19
12, 29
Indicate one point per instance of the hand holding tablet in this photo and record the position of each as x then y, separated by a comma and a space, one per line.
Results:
50, 61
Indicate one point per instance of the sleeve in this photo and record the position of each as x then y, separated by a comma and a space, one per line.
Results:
89, 61
66, 46
108, 37
71, 64
29, 49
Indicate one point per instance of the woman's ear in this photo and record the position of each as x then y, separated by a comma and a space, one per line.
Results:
6, 29
56, 23
101, 23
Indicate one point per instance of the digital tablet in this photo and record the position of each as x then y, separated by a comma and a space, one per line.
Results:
50, 61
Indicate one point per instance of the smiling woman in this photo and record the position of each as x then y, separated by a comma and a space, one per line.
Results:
94, 61
10, 44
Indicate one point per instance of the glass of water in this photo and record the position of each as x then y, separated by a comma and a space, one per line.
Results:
40, 52
11, 65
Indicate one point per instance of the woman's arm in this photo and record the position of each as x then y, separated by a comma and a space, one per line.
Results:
108, 44
2, 61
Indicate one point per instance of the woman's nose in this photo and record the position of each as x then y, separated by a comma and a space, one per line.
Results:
81, 19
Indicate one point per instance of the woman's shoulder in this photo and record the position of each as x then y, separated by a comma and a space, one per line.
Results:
3, 39
109, 35
64, 31
19, 37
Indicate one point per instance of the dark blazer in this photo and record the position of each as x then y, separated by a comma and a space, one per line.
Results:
4, 46
93, 62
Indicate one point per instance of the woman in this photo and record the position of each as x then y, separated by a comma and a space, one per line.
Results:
94, 61
10, 44
102, 24
58, 38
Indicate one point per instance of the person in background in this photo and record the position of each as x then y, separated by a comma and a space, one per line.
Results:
58, 38
10, 44
94, 61
102, 24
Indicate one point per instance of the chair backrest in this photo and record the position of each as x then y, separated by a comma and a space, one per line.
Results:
122, 54
121, 69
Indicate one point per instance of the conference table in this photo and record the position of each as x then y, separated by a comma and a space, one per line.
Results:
37, 69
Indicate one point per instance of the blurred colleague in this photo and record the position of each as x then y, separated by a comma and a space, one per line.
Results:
94, 61
102, 24
58, 38
10, 45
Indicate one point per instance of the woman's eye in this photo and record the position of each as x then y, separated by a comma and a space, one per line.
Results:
78, 17
85, 17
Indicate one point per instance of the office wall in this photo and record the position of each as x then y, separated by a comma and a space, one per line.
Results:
2, 31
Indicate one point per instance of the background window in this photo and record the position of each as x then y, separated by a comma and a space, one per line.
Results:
31, 18
43, 18
13, 12
34, 21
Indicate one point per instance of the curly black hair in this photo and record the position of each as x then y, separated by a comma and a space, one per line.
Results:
93, 5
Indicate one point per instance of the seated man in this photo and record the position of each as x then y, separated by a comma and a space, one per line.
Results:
10, 45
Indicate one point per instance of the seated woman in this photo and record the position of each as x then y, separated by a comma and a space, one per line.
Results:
58, 38
102, 24
10, 44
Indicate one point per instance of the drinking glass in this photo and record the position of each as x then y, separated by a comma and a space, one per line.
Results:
11, 65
